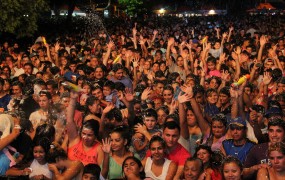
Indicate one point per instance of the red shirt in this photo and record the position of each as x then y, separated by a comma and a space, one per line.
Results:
179, 155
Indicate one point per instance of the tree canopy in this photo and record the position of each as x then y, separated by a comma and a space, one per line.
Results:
131, 5
20, 17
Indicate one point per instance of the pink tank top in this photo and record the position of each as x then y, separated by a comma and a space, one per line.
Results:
76, 152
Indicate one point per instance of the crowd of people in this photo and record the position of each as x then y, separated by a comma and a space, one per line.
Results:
192, 99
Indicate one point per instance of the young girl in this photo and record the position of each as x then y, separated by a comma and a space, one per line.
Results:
38, 167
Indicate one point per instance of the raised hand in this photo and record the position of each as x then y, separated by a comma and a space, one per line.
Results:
225, 75
263, 40
231, 28
139, 128
155, 32
225, 35
106, 145
129, 96
146, 93
108, 108
183, 98
188, 90
222, 58
266, 78
237, 50
170, 41
110, 45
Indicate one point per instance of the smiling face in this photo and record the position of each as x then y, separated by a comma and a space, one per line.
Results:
167, 96
232, 171
157, 150
117, 142
39, 154
192, 170
276, 134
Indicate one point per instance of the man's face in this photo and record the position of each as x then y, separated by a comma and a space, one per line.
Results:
171, 137
16, 90
237, 132
275, 134
28, 69
119, 74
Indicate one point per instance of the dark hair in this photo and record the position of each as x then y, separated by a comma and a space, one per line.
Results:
56, 153
157, 139
93, 169
117, 67
142, 173
221, 118
276, 121
45, 131
92, 125
43, 142
172, 116
168, 87
193, 159
205, 147
45, 93
226, 91
109, 84
124, 133
150, 113
232, 159
115, 113
171, 125
89, 102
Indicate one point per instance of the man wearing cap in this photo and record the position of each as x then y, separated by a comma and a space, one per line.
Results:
239, 145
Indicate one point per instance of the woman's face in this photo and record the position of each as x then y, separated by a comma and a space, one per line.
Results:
213, 84
150, 122
88, 137
232, 171
147, 65
157, 150
204, 155
167, 96
277, 160
161, 115
212, 98
218, 129
162, 67
211, 66
117, 142
191, 119
39, 154
131, 167
191, 170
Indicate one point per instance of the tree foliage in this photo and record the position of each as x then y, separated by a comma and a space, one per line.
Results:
131, 6
20, 17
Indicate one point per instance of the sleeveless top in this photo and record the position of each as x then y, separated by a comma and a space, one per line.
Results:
38, 169
150, 174
238, 151
76, 152
115, 169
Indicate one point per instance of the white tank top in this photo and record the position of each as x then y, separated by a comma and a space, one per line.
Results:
38, 169
150, 174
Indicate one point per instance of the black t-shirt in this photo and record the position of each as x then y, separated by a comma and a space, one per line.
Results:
22, 143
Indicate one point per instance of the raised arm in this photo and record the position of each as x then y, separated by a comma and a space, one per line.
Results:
107, 55
170, 43
262, 43
182, 114
70, 125
203, 124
